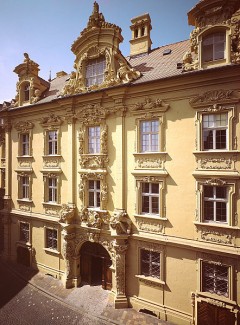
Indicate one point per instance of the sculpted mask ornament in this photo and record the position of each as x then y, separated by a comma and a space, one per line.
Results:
66, 214
121, 222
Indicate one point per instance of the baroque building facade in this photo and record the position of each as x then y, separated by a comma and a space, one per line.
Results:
125, 173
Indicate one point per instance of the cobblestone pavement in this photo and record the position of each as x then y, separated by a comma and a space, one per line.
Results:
44, 300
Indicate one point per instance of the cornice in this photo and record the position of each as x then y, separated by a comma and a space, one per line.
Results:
188, 243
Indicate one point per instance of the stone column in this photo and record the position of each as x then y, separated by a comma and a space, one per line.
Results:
120, 299
68, 247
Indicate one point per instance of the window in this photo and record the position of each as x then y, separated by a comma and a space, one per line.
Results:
94, 194
51, 238
213, 47
24, 231
95, 69
52, 137
94, 139
25, 144
26, 91
52, 190
149, 136
215, 279
150, 198
25, 187
215, 203
150, 263
215, 131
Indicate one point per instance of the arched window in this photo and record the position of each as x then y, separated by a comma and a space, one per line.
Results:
95, 71
214, 46
26, 90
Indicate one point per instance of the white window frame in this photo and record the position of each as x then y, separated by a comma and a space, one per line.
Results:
215, 200
151, 195
214, 43
230, 142
230, 190
155, 248
214, 128
95, 71
150, 179
227, 52
94, 143
52, 144
25, 144
51, 248
20, 232
24, 186
215, 292
52, 190
152, 146
96, 192
150, 264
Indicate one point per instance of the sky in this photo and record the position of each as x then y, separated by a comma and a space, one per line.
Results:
46, 30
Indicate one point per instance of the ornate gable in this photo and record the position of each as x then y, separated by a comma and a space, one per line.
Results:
30, 86
210, 16
99, 41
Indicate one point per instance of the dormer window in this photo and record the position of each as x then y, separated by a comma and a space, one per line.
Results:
95, 69
26, 91
213, 47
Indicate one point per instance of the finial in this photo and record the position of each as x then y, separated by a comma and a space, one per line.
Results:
50, 76
95, 8
26, 57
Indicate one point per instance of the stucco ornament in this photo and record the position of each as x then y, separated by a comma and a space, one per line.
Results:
121, 222
105, 46
94, 219
206, 15
66, 214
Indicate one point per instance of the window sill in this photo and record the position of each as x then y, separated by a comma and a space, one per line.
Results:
222, 151
150, 216
24, 201
53, 156
24, 156
150, 280
215, 225
149, 153
50, 250
52, 204
24, 243
216, 298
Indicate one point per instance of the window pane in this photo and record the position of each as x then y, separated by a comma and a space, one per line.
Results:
145, 204
155, 188
145, 187
221, 142
208, 210
208, 191
221, 192
207, 139
221, 211
91, 184
155, 205
95, 69
91, 199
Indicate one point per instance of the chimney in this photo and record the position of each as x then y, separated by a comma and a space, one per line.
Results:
141, 41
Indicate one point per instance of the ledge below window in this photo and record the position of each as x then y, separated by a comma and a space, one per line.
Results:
150, 281
215, 225
54, 251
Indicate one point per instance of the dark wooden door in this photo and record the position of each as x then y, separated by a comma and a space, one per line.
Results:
213, 315
85, 266
106, 274
23, 256
96, 270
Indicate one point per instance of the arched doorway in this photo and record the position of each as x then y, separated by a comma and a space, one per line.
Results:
95, 265
23, 256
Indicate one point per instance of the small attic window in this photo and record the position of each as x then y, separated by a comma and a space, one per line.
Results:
167, 52
95, 69
142, 31
26, 91
136, 33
